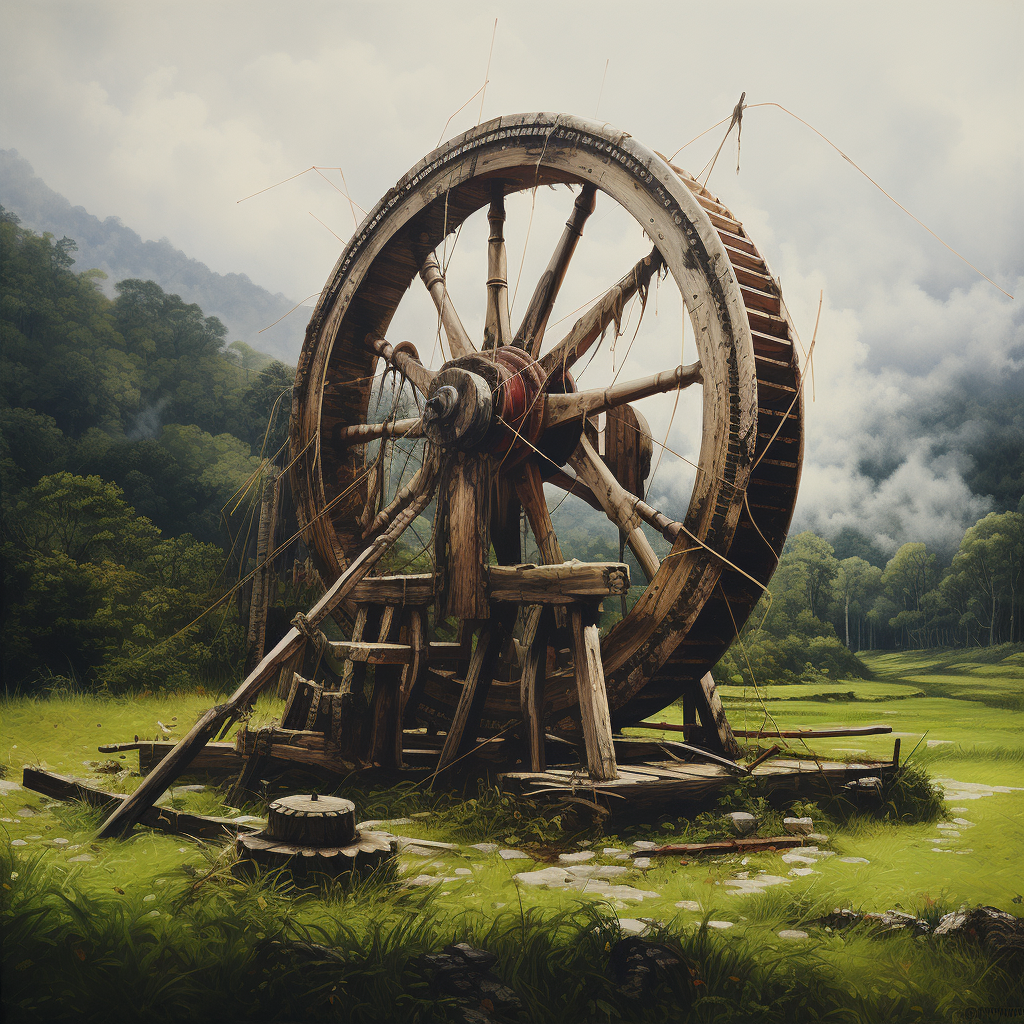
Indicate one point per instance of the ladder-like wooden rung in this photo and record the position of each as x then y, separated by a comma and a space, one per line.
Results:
372, 653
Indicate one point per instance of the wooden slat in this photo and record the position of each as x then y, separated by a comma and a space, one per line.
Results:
371, 653
564, 583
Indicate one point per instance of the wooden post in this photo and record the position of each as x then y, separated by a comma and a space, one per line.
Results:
466, 719
717, 731
385, 713
263, 579
463, 559
531, 690
594, 713
288, 670
358, 629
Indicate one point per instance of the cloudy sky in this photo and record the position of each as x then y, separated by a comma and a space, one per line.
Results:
167, 114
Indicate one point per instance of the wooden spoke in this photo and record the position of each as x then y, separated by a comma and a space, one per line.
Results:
561, 408
594, 322
497, 329
458, 339
614, 499
364, 433
404, 359
668, 528
128, 814
422, 480
531, 331
530, 488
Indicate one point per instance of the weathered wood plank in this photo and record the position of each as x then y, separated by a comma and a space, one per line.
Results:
416, 589
594, 713
371, 652
531, 686
852, 730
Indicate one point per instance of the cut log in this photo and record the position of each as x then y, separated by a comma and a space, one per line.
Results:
713, 717
725, 846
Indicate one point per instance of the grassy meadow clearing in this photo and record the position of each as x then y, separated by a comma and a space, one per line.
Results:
158, 929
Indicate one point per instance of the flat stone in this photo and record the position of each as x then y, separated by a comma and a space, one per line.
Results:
576, 858
545, 876
935, 849
249, 819
961, 853
720, 925
792, 933
626, 893
418, 851
817, 837
745, 861
8, 786
796, 858
798, 826
741, 823
691, 905
803, 871
623, 856
632, 926
644, 844
61, 842
643, 863
937, 743
597, 871
972, 790
752, 886
609, 850
951, 833
959, 810
463, 871
963, 823
81, 858
854, 860
513, 855
18, 842
485, 847
424, 880
25, 812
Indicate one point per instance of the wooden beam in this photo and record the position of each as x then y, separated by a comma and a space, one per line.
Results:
713, 717
417, 589
180, 823
594, 713
385, 705
371, 653
531, 686
263, 580
464, 545
462, 731
794, 734
565, 583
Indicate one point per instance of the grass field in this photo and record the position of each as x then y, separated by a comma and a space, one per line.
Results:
156, 928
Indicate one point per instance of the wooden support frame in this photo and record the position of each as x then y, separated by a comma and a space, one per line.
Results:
531, 686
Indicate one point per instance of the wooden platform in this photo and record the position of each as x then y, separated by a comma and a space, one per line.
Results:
668, 783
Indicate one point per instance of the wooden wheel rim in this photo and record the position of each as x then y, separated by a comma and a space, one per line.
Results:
376, 267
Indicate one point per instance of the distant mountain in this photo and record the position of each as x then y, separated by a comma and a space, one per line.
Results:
245, 308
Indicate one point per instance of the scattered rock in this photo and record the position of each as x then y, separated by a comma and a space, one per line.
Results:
802, 871
632, 926
576, 858
796, 858
817, 837
643, 863
854, 860
609, 850
643, 844
513, 855
869, 784
6, 786
1000, 933
18, 842
424, 880
25, 812
882, 924
418, 851
720, 925
972, 790
792, 933
485, 847
691, 905
741, 823
753, 886
637, 963
462, 872
60, 842
81, 858
798, 826
464, 972
963, 823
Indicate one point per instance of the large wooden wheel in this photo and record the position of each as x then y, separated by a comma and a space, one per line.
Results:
504, 412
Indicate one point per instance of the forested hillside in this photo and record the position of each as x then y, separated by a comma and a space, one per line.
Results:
116, 249
126, 426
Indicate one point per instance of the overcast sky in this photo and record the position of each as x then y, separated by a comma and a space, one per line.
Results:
166, 114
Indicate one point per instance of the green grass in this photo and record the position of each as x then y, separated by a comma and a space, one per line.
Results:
156, 928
